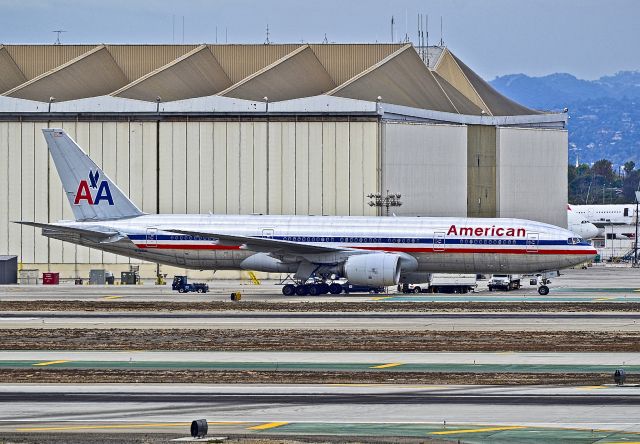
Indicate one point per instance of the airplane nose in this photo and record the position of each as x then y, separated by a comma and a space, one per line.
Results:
593, 232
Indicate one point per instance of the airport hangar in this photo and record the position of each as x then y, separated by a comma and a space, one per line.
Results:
272, 129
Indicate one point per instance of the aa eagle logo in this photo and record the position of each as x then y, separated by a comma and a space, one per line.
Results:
103, 192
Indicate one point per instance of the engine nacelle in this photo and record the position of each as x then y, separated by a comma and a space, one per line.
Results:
374, 269
266, 263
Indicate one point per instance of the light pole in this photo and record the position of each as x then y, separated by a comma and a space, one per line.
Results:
386, 201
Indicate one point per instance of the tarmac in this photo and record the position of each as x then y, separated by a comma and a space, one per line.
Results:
471, 413
327, 361
595, 284
550, 414
256, 320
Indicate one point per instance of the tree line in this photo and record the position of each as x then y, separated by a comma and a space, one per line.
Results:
600, 183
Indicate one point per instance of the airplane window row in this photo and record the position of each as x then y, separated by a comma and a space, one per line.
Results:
574, 240
488, 241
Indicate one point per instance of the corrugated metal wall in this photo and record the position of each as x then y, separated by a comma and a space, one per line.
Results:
316, 167
427, 164
532, 174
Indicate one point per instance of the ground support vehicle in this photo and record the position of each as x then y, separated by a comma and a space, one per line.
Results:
504, 282
182, 286
443, 283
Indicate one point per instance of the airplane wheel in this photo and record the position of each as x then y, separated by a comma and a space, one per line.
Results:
416, 290
543, 290
302, 290
288, 290
314, 290
335, 288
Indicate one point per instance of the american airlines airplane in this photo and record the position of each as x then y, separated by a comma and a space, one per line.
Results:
377, 251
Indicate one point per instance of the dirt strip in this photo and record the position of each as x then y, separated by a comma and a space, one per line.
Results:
318, 340
95, 376
338, 307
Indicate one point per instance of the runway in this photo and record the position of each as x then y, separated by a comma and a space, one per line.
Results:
544, 413
255, 320
480, 362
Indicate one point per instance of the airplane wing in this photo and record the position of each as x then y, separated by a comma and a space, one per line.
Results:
102, 235
265, 245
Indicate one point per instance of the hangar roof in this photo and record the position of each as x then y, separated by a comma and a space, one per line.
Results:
424, 78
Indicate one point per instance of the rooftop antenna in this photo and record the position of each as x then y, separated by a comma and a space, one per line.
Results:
441, 35
226, 40
325, 38
216, 33
267, 41
420, 51
392, 34
427, 41
58, 32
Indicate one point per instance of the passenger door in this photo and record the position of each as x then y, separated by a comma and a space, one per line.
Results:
438, 242
532, 242
152, 237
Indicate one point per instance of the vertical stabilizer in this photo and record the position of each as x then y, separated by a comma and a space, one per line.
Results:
92, 195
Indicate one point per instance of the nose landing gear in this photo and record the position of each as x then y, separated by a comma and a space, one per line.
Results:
543, 290
543, 284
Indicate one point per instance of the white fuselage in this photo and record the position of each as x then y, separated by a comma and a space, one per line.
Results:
576, 223
456, 245
605, 215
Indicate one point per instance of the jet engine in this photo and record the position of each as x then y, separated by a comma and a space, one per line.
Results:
374, 269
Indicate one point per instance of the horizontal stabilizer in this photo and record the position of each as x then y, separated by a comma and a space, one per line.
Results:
96, 233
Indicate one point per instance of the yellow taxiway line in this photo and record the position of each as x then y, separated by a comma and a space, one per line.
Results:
393, 364
381, 298
111, 297
42, 364
486, 429
268, 425
591, 387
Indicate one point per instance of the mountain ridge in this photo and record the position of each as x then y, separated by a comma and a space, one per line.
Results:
604, 114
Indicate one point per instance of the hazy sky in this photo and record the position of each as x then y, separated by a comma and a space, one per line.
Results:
587, 38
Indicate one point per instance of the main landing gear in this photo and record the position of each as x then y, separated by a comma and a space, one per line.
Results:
315, 289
